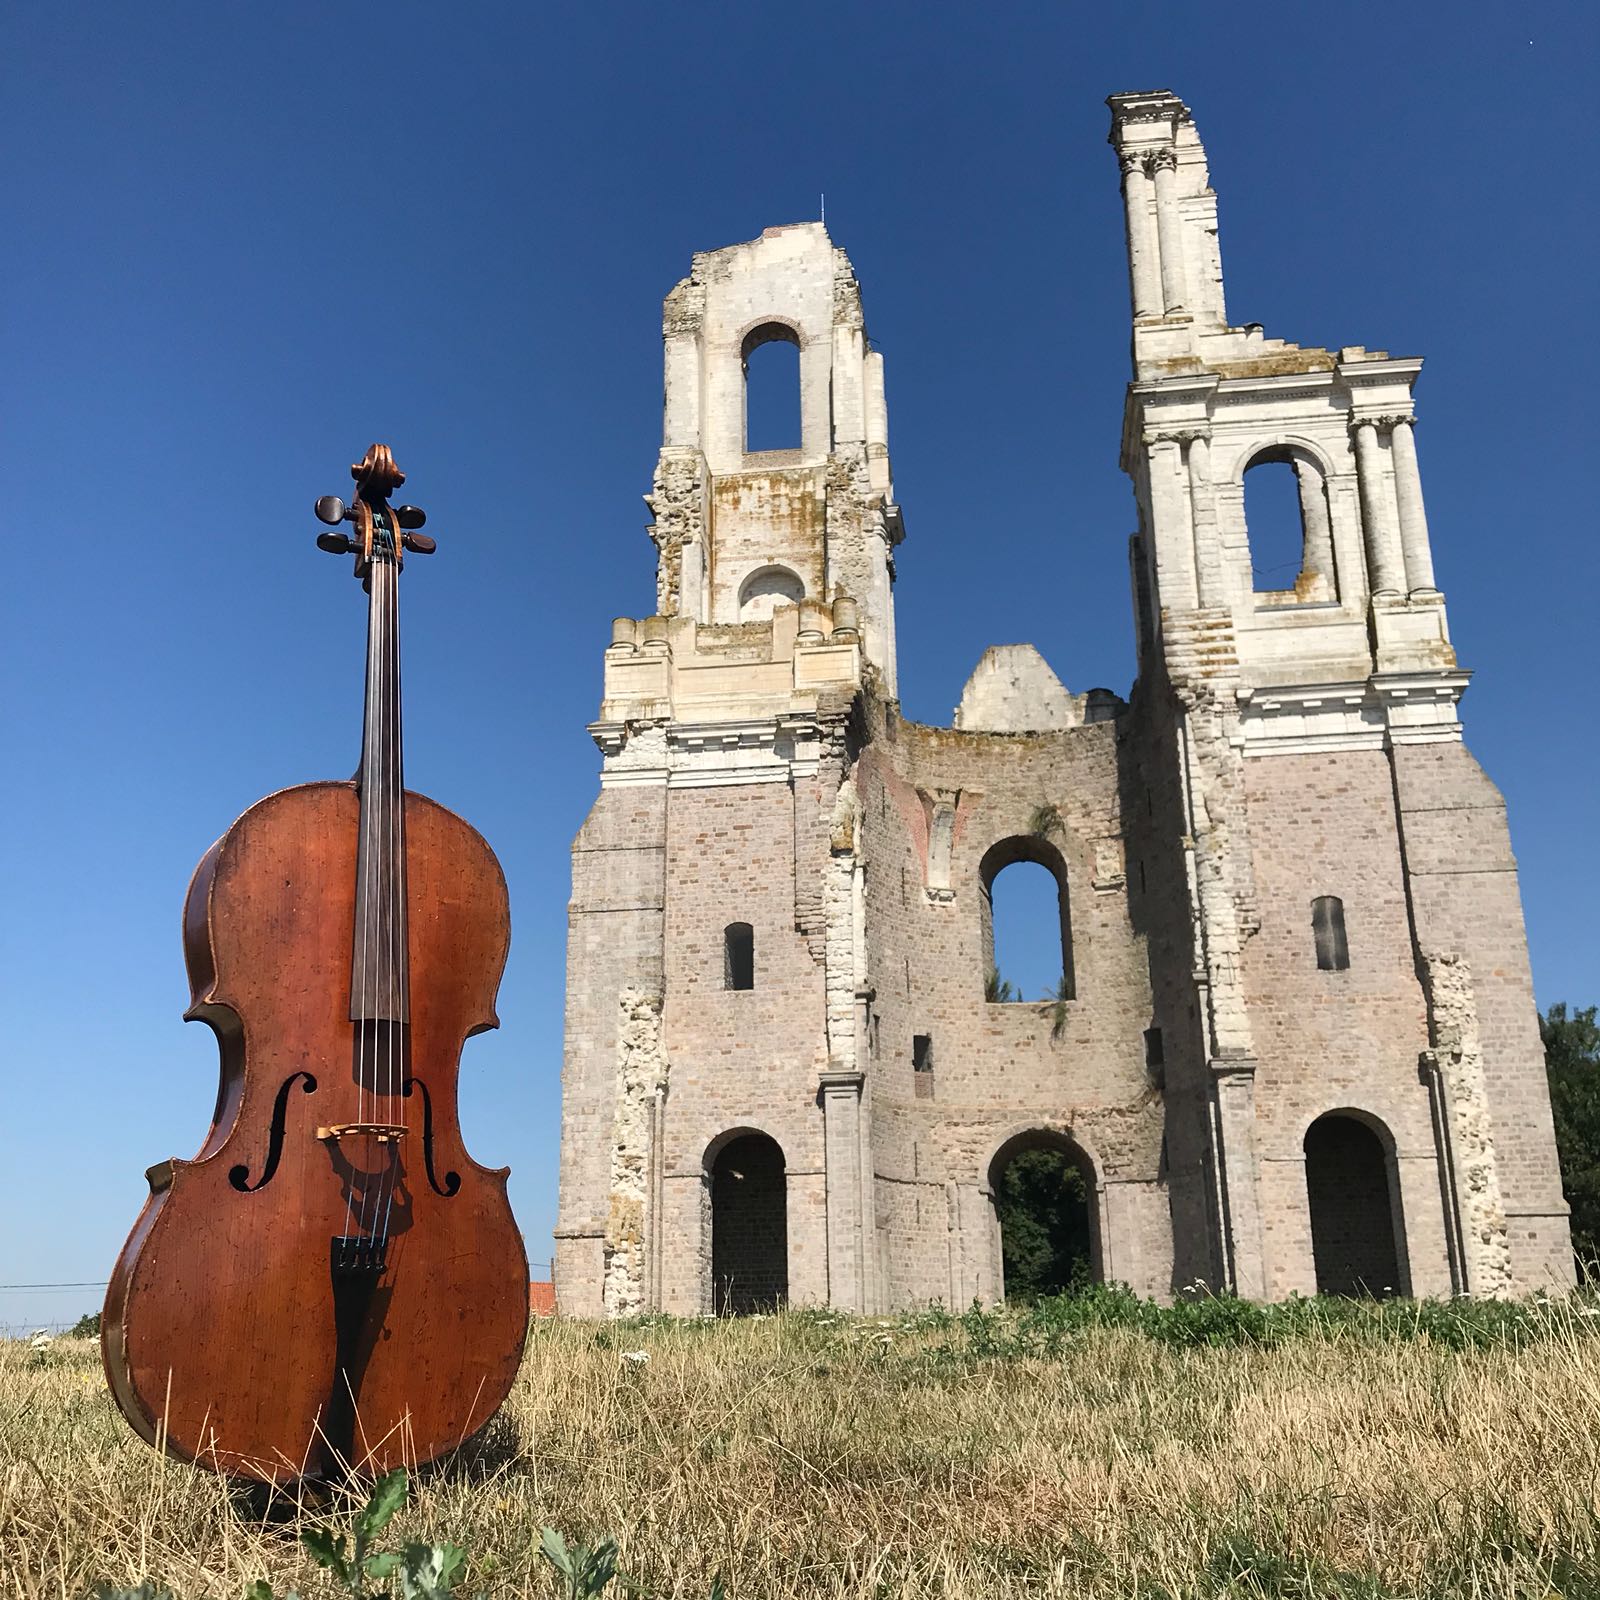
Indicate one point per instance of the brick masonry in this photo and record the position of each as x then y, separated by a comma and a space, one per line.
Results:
1245, 1118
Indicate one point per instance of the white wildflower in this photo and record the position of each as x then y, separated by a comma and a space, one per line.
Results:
637, 1357
42, 1339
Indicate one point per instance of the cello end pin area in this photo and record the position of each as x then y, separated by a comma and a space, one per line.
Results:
383, 1132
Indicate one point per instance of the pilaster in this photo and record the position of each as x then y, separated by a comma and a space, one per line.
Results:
1234, 1156
840, 1093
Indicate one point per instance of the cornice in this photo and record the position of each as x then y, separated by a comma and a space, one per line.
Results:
1375, 713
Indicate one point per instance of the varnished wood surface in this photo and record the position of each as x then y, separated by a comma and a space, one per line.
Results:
219, 1329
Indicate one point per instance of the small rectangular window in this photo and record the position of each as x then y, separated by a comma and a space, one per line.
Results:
922, 1064
738, 956
1327, 927
1154, 1051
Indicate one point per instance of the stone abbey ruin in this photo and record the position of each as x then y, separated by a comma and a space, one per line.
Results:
1295, 1048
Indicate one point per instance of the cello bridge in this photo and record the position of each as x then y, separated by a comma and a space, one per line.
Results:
383, 1132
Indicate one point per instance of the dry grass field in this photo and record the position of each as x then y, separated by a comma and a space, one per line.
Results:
1059, 1452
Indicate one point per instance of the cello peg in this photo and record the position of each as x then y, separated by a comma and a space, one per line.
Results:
419, 543
330, 509
336, 544
410, 516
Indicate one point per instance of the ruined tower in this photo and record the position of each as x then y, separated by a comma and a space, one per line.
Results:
1293, 1046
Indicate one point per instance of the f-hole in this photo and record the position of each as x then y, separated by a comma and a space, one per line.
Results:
239, 1176
452, 1180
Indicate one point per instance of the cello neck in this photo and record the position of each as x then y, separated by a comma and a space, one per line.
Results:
379, 984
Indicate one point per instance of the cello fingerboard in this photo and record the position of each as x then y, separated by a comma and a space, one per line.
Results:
379, 987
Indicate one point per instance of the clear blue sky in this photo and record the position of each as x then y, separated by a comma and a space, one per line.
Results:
244, 242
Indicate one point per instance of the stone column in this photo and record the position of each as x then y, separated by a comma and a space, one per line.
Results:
1408, 500
681, 407
1314, 518
877, 406
1385, 570
848, 385
1144, 264
1169, 516
841, 1124
1169, 232
1203, 510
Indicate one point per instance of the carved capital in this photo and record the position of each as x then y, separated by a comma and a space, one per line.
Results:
1383, 420
1187, 436
1165, 157
1130, 161
838, 1081
1155, 436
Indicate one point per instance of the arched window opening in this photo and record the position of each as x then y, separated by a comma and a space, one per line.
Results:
765, 590
1289, 526
771, 359
1027, 922
738, 956
1272, 520
749, 1227
1355, 1210
1327, 928
1044, 1198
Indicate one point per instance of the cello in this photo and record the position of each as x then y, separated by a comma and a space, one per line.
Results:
333, 1285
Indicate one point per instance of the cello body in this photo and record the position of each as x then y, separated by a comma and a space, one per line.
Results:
333, 1284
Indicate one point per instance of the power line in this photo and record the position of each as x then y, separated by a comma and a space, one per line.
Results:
98, 1285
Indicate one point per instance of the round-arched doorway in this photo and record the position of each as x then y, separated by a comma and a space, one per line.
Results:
1043, 1186
1355, 1210
749, 1226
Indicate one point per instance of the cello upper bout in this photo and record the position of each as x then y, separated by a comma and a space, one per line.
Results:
461, 912
197, 953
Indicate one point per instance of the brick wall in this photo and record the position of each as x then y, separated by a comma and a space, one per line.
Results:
614, 931
739, 1059
1463, 882
1331, 1040
1000, 1068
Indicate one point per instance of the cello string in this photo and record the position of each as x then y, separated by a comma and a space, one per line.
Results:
397, 888
371, 1197
364, 850
372, 820
386, 1175
383, 1032
362, 857
402, 918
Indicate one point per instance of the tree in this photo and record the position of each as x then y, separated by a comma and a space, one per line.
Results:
1572, 1065
1044, 1223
